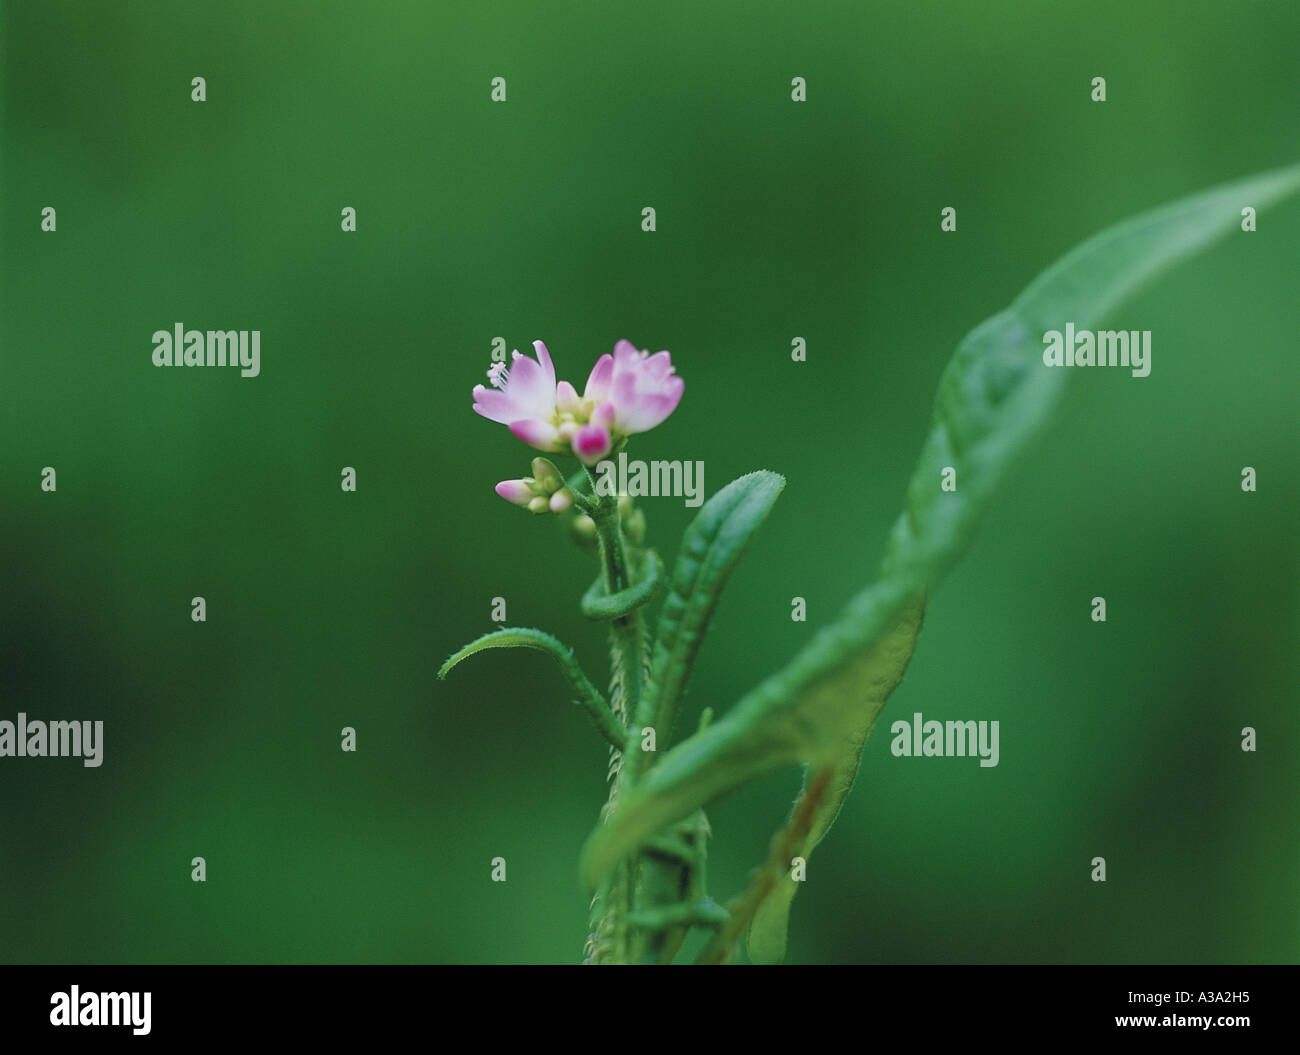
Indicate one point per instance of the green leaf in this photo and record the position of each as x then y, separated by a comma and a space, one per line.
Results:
828, 719
996, 395
712, 544
588, 696
993, 398
879, 673
599, 605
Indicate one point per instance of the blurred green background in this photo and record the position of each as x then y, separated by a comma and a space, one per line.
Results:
522, 220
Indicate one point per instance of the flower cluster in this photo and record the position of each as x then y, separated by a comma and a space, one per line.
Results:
543, 492
628, 392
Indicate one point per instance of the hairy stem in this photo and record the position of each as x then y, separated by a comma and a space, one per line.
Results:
611, 940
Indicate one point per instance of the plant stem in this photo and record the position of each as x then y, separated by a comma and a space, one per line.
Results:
613, 936
627, 634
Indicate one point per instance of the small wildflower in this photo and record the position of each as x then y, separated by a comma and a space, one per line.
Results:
523, 397
628, 392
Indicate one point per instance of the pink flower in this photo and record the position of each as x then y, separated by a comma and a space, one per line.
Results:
523, 398
627, 392
642, 388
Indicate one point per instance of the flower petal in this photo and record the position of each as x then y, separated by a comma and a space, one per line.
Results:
497, 406
532, 387
515, 491
658, 366
598, 381
640, 409
537, 433
591, 443
544, 359
566, 398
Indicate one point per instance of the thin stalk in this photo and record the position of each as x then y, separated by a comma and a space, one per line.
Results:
614, 935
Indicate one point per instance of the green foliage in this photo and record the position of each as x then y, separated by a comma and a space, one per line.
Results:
993, 398
711, 546
870, 677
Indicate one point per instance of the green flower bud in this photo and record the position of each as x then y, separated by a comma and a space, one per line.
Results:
547, 475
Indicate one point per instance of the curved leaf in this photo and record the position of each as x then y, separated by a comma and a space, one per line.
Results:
994, 396
710, 548
880, 673
588, 696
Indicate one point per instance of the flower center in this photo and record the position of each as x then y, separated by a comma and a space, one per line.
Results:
498, 375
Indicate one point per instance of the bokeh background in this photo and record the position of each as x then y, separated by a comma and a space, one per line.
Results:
522, 220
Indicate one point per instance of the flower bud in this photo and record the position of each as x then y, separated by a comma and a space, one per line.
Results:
591, 443
547, 476
517, 492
